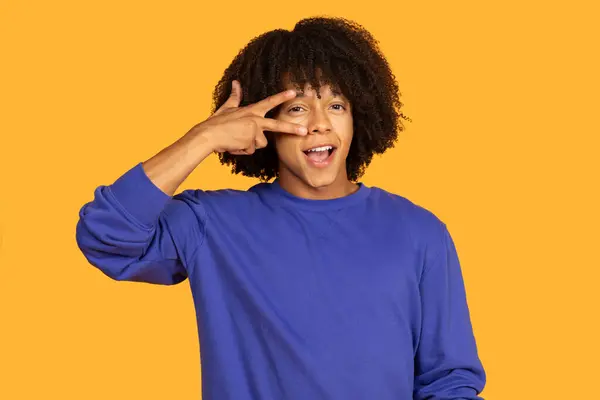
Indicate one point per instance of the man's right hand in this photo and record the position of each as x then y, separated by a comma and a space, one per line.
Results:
240, 130
233, 129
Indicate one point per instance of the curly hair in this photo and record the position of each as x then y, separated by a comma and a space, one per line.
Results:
319, 51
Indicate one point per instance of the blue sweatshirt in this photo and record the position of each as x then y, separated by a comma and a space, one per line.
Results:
359, 297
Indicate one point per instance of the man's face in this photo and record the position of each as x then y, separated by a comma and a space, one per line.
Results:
319, 158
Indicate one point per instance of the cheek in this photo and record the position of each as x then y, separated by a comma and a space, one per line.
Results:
345, 132
286, 146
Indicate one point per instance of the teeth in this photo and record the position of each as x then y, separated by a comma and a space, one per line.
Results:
323, 148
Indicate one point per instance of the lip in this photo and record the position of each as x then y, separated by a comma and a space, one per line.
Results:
324, 163
320, 145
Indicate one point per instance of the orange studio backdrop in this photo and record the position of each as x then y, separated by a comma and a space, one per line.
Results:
503, 147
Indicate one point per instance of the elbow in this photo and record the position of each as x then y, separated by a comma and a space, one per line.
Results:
97, 255
127, 260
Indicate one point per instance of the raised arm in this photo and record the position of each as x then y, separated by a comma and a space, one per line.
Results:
135, 229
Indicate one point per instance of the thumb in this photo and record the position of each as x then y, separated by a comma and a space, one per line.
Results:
233, 100
236, 93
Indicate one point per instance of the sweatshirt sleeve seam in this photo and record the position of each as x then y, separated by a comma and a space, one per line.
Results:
190, 258
428, 265
197, 248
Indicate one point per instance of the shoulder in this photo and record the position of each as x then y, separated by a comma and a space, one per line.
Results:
401, 206
422, 224
229, 204
224, 198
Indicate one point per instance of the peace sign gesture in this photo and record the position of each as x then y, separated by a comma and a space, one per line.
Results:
240, 130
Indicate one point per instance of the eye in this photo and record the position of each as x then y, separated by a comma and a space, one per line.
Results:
340, 107
295, 109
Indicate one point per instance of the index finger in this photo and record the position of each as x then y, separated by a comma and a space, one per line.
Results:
274, 125
273, 101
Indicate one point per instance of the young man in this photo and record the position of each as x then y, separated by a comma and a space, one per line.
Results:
313, 286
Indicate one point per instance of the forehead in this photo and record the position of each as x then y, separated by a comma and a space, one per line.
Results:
305, 89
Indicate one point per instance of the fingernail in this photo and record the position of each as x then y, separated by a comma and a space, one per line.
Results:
303, 130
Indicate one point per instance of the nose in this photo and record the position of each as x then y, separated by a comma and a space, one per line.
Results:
319, 122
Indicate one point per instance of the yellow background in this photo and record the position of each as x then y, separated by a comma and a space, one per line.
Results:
503, 147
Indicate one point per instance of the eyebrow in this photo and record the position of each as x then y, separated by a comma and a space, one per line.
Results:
335, 93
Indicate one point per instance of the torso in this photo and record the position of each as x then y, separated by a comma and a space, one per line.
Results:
300, 304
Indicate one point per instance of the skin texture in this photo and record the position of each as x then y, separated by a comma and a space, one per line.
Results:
232, 129
328, 120
319, 55
323, 53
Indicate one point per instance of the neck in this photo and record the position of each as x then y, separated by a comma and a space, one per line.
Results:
340, 187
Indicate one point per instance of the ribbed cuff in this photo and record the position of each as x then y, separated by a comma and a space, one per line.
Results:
139, 195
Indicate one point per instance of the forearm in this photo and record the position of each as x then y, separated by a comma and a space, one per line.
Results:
172, 165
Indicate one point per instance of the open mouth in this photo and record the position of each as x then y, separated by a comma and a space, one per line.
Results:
320, 155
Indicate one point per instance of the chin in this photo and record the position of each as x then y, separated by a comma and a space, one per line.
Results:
320, 179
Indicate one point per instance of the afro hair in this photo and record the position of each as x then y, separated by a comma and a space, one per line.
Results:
318, 51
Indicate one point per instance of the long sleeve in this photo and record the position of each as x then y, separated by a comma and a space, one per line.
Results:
447, 365
132, 231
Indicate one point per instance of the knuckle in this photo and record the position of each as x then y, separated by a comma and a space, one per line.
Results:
250, 123
261, 142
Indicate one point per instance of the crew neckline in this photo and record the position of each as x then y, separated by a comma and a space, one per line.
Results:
318, 204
